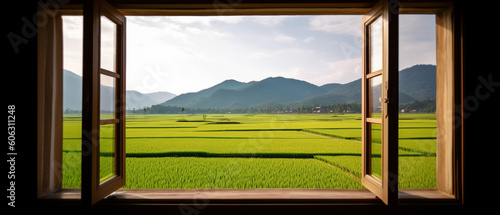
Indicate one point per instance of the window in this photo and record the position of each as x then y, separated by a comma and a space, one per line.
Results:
448, 167
146, 130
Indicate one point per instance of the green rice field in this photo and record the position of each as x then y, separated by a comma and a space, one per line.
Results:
239, 151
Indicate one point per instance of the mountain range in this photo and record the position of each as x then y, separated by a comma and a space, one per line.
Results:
72, 95
416, 83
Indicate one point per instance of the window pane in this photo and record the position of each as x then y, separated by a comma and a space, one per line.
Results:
108, 44
375, 97
376, 149
376, 45
72, 102
107, 97
418, 127
107, 152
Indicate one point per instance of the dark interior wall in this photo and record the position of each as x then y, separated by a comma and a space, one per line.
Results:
481, 101
481, 93
19, 84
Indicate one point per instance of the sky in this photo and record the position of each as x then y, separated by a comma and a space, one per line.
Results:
186, 54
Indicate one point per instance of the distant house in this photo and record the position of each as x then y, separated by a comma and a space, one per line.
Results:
402, 110
316, 110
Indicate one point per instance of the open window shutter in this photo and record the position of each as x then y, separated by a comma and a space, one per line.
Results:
380, 101
103, 117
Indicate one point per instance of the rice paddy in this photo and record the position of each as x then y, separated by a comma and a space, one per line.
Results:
243, 151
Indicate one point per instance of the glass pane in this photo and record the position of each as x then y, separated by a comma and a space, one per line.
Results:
375, 97
107, 97
107, 152
417, 114
108, 44
376, 149
376, 45
72, 102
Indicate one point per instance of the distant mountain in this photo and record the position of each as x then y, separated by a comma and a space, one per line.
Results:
274, 90
344, 93
237, 94
328, 87
139, 100
72, 91
189, 99
416, 83
72, 95
160, 97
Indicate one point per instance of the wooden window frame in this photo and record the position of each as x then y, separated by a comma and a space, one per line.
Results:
92, 189
385, 187
450, 163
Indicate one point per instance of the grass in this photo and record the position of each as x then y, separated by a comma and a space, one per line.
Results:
236, 173
415, 172
253, 151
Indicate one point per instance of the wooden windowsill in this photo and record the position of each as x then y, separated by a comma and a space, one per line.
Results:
253, 196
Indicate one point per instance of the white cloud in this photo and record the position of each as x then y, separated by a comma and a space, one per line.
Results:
206, 32
286, 52
269, 21
343, 71
346, 25
176, 49
258, 55
205, 21
73, 43
308, 39
73, 27
322, 72
417, 40
283, 38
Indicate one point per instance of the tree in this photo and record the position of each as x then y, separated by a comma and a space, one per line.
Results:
182, 109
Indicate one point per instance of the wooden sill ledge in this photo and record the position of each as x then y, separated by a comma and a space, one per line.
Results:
253, 196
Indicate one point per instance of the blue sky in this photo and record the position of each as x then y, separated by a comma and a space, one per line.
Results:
188, 54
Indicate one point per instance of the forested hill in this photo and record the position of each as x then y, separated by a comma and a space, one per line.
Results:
416, 83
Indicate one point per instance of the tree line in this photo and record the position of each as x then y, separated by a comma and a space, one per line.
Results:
266, 109
419, 106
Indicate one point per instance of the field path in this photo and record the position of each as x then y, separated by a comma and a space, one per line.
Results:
326, 136
345, 171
